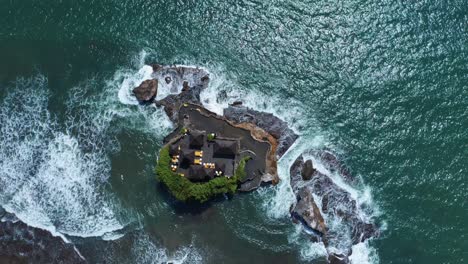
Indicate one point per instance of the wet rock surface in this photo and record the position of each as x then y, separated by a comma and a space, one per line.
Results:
20, 243
337, 205
185, 85
268, 122
307, 211
320, 200
146, 91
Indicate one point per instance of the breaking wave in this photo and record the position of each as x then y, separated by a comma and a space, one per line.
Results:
146, 251
50, 178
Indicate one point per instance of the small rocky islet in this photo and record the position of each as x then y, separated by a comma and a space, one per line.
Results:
208, 155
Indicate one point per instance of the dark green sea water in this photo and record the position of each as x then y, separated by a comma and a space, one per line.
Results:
382, 83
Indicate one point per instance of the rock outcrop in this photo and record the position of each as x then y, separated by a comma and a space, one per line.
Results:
185, 85
278, 128
307, 212
319, 200
20, 243
336, 204
307, 170
146, 91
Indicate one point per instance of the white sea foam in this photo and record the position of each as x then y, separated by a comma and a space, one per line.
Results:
47, 180
144, 118
279, 199
130, 80
223, 90
307, 250
146, 251
364, 254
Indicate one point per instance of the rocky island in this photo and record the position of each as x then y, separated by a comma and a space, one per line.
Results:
208, 155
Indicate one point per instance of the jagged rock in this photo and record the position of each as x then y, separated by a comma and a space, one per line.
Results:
307, 211
333, 164
236, 103
156, 67
336, 203
173, 102
146, 91
295, 172
307, 170
364, 231
205, 78
185, 86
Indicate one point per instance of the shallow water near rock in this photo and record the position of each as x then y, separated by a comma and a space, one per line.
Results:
382, 84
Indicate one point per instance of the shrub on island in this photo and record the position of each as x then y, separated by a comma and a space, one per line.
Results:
210, 137
185, 190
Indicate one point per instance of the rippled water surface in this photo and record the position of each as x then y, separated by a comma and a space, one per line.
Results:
382, 83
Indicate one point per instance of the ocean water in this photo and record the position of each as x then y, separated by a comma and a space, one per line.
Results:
382, 83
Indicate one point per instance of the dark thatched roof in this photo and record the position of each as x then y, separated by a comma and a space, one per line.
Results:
186, 157
220, 167
197, 173
173, 149
225, 148
196, 139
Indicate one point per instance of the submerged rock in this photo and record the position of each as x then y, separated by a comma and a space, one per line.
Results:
146, 91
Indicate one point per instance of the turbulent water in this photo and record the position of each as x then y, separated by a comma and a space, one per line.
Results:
383, 84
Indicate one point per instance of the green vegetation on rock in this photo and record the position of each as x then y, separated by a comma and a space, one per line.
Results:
183, 130
240, 172
185, 190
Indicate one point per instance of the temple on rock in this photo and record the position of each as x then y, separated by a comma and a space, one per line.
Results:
200, 156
